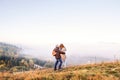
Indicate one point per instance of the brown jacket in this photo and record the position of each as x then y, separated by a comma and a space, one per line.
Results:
57, 56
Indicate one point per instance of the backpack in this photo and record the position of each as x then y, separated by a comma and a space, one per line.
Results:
53, 53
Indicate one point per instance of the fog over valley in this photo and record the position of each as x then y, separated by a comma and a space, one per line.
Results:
77, 53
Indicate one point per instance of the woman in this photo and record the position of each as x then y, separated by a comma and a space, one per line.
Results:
63, 54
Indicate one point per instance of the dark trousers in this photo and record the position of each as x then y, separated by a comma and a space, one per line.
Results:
56, 63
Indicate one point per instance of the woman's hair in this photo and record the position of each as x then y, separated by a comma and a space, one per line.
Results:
62, 46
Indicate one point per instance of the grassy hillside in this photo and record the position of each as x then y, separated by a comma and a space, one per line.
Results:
11, 59
101, 71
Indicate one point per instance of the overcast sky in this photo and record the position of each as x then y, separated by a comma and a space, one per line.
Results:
36, 22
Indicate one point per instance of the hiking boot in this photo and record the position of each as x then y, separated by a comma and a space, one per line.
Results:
60, 69
55, 69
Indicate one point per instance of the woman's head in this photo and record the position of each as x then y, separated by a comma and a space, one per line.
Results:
61, 46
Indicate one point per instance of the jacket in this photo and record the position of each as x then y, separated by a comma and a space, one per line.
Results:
57, 55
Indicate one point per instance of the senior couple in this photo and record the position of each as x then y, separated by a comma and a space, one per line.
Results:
60, 56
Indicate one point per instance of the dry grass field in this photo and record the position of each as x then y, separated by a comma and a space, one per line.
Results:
100, 71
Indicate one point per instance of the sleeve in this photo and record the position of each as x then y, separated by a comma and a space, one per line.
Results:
63, 49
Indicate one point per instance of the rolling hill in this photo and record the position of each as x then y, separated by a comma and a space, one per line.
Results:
101, 71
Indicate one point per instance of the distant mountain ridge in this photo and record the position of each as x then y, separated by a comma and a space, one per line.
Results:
9, 49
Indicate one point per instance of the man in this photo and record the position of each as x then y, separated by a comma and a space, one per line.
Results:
58, 58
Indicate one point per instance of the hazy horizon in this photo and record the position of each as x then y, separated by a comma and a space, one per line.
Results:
105, 50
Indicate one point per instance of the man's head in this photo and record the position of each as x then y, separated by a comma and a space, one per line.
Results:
57, 45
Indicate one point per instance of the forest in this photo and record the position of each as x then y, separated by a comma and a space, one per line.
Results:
11, 59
